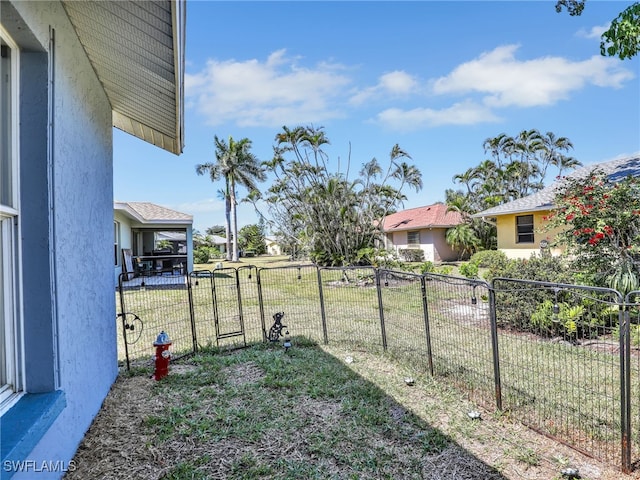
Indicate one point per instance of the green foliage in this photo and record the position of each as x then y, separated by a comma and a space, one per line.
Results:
238, 167
163, 244
622, 39
251, 237
600, 224
324, 210
412, 254
463, 238
469, 270
377, 257
517, 168
539, 268
204, 253
565, 322
219, 230
427, 267
634, 334
445, 270
493, 259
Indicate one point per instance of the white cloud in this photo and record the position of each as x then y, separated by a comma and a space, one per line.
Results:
271, 93
506, 81
396, 83
594, 32
206, 205
463, 113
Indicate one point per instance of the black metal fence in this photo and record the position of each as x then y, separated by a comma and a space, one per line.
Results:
563, 359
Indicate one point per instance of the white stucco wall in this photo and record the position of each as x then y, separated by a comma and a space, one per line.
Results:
82, 244
432, 243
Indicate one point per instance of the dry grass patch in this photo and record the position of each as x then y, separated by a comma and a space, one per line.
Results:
264, 413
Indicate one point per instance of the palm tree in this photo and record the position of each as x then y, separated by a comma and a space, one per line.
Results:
223, 194
215, 173
238, 166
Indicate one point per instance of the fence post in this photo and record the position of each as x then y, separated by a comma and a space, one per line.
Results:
240, 315
323, 313
494, 344
625, 386
124, 320
261, 305
192, 315
381, 310
425, 311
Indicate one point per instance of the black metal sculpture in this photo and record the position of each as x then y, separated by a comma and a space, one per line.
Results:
275, 332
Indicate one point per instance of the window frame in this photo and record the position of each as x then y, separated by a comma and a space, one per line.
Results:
12, 386
525, 230
409, 234
116, 242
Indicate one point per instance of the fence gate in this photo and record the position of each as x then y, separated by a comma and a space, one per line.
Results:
227, 287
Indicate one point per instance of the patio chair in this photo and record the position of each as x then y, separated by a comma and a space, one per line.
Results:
142, 268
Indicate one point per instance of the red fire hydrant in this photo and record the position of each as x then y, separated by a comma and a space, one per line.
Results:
163, 355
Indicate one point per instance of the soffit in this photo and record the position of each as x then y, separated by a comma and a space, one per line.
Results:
137, 51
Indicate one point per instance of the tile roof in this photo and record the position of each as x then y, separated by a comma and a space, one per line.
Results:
617, 169
146, 212
430, 216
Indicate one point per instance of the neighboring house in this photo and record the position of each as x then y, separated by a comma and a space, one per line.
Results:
70, 71
273, 247
140, 226
220, 242
422, 228
520, 224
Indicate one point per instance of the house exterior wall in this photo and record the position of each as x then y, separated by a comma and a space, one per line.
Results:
507, 238
126, 240
432, 242
69, 323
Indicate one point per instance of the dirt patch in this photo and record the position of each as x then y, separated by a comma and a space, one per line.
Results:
243, 374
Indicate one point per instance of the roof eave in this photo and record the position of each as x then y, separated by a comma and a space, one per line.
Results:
513, 212
147, 101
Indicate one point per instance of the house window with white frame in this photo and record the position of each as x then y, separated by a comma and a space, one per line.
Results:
524, 229
10, 344
413, 238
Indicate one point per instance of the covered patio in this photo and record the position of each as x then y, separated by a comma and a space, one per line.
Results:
151, 240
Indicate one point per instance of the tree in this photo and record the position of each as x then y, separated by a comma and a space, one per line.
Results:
328, 212
517, 168
462, 237
216, 230
238, 166
251, 237
622, 39
600, 226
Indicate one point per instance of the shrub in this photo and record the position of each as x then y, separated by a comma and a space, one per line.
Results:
201, 254
541, 268
445, 270
412, 254
426, 267
469, 270
489, 259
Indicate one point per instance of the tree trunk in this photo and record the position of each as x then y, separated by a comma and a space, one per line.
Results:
227, 224
234, 221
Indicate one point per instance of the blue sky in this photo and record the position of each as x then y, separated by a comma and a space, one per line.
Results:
437, 78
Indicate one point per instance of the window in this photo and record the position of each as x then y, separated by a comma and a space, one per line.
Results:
10, 371
524, 229
116, 242
413, 238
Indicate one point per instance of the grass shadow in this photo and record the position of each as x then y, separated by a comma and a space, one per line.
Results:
261, 412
